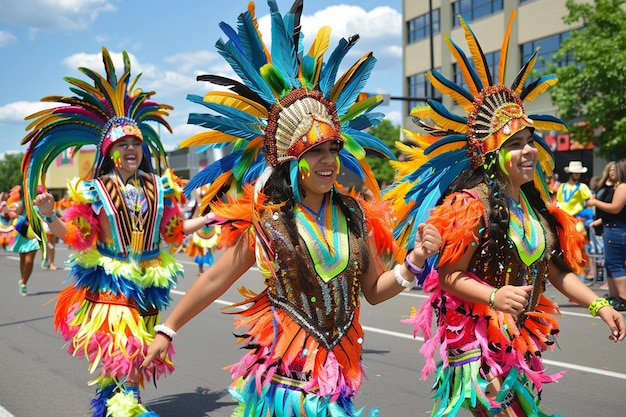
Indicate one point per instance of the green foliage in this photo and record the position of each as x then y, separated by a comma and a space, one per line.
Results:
389, 134
10, 171
593, 88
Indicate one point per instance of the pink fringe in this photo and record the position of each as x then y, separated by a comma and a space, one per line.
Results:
82, 226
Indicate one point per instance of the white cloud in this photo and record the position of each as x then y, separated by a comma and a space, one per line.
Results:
6, 38
188, 61
53, 15
394, 117
15, 112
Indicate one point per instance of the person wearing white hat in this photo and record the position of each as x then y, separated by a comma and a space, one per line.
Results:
572, 195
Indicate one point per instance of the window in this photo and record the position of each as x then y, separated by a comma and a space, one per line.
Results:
420, 89
474, 9
419, 28
548, 47
492, 61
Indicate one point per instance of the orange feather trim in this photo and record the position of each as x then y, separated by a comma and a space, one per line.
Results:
571, 240
67, 299
378, 217
456, 219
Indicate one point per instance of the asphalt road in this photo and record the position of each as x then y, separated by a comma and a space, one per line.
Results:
38, 377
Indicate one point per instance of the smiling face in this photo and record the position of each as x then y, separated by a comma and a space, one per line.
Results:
517, 160
318, 170
127, 154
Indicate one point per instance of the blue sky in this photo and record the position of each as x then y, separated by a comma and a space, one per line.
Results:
170, 43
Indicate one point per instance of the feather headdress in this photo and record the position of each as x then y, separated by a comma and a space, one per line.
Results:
453, 143
98, 115
286, 102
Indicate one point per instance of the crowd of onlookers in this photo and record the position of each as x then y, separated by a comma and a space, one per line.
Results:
600, 208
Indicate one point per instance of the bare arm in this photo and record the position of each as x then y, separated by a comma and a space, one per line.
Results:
616, 205
572, 287
235, 261
45, 202
378, 284
454, 279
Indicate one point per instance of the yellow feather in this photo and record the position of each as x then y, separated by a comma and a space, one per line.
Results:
468, 105
448, 124
540, 89
206, 138
477, 55
544, 125
341, 83
529, 68
461, 65
504, 51
319, 48
449, 147
238, 102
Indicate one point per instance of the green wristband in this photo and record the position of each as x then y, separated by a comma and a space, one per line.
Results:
597, 305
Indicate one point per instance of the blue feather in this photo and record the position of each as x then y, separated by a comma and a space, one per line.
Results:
348, 161
284, 53
223, 124
224, 110
209, 174
293, 175
355, 85
255, 170
252, 44
366, 120
328, 74
369, 142
232, 35
245, 70
445, 140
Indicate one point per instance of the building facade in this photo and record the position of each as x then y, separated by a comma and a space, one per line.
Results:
539, 24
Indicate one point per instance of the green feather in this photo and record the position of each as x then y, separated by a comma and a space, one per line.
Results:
275, 80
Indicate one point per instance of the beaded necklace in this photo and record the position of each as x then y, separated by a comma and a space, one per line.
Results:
525, 230
326, 237
137, 207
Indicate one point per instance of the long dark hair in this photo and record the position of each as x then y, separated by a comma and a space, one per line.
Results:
498, 226
278, 190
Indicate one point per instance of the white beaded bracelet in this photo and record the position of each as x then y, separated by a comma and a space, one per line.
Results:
166, 331
400, 279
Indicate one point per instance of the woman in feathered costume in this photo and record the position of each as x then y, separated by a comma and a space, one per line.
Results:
121, 276
502, 240
292, 125
204, 241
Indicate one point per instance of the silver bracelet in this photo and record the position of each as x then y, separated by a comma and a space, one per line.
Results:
400, 279
166, 331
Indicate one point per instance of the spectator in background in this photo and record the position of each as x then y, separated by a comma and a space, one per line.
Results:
613, 218
572, 195
603, 191
24, 242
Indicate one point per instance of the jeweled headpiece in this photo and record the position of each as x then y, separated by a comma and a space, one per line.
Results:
453, 143
286, 102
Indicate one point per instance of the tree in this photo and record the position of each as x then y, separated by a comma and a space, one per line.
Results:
593, 88
10, 171
389, 134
